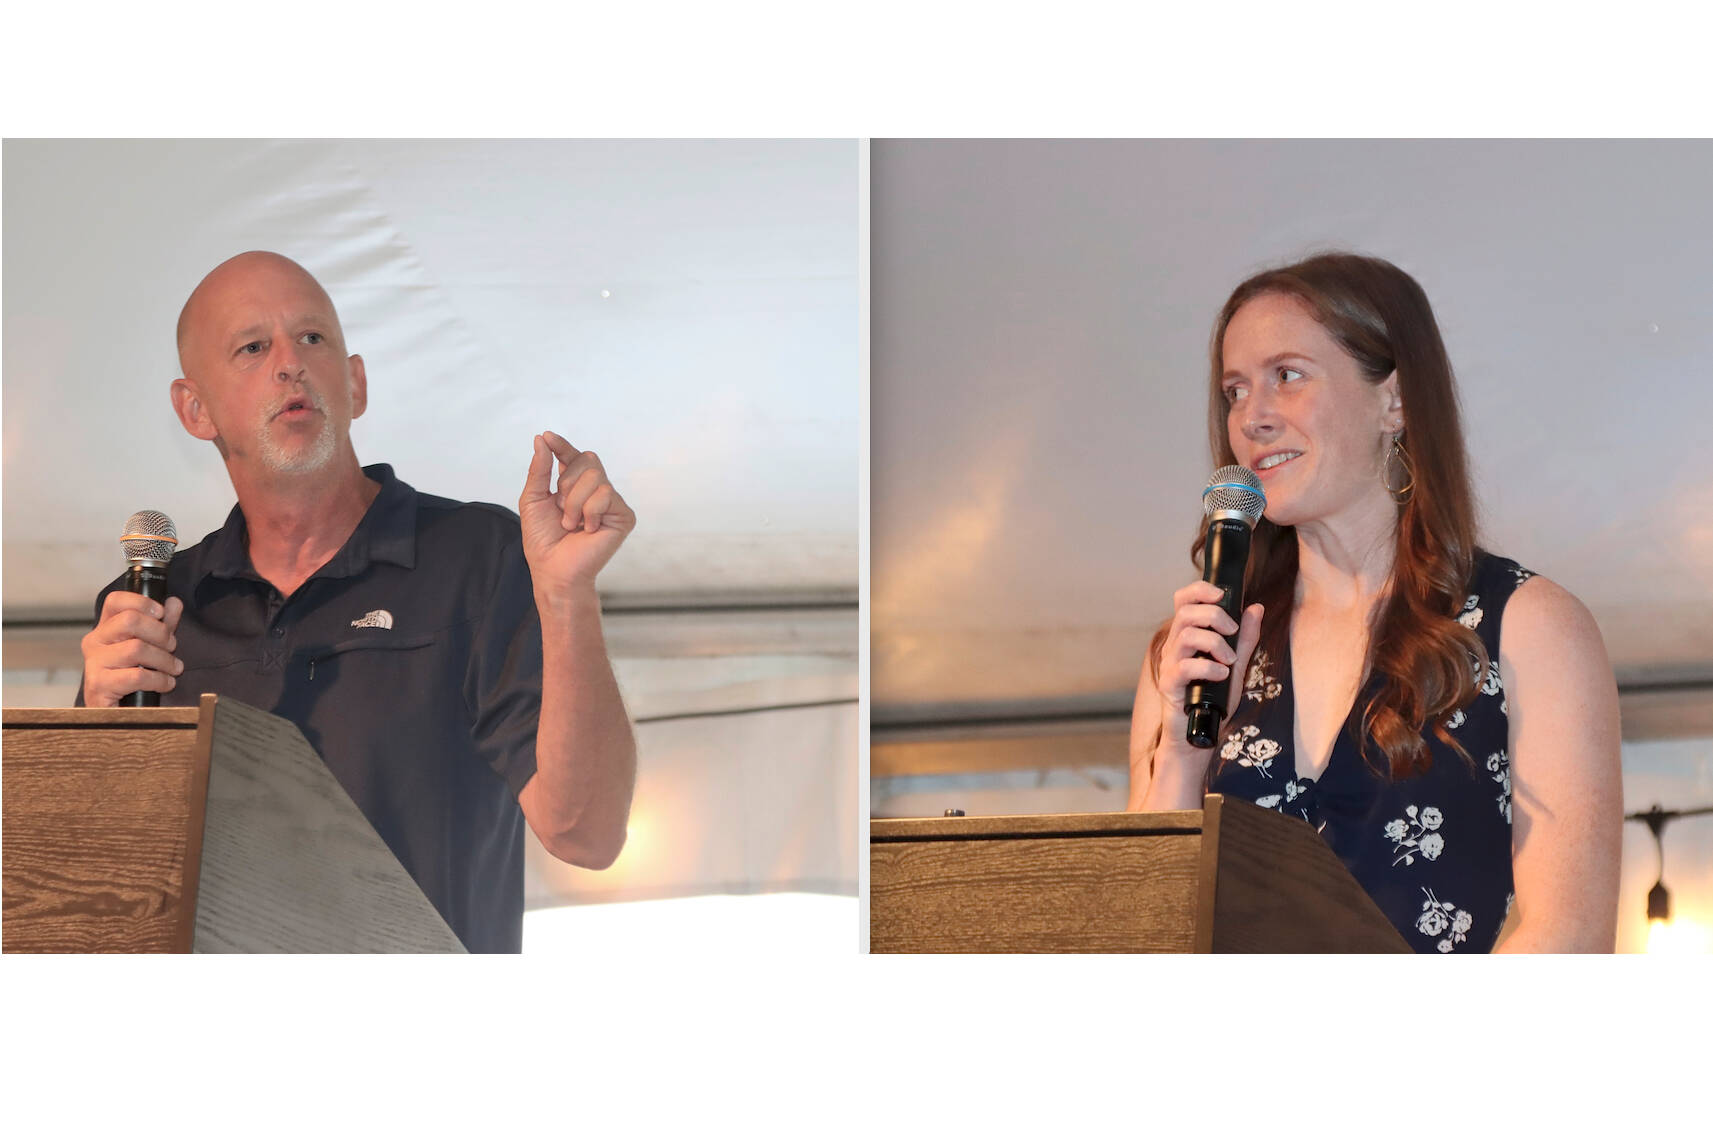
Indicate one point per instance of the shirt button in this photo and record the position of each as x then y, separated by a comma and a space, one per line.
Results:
279, 632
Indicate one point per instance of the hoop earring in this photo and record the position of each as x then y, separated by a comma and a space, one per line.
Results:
1403, 495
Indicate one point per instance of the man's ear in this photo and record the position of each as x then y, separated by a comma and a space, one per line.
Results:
191, 412
359, 387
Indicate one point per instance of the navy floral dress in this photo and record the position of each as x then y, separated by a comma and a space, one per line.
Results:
1434, 850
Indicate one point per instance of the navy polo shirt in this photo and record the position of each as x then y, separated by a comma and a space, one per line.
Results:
412, 663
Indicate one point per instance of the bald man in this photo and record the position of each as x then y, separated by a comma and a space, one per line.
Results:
445, 659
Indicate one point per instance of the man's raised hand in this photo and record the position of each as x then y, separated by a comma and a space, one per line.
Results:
571, 527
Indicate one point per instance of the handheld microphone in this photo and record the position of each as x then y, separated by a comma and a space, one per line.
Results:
1232, 502
149, 541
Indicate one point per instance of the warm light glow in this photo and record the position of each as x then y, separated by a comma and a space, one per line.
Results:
637, 836
1679, 936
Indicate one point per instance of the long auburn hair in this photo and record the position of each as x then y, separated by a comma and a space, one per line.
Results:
1381, 317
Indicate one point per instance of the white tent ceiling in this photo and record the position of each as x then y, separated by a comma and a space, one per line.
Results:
1040, 318
687, 309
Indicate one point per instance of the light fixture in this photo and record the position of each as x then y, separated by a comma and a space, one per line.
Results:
1659, 900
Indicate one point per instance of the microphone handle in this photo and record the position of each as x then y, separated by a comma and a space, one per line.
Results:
1224, 559
151, 583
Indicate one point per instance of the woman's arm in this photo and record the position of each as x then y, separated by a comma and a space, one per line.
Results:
1144, 736
1566, 787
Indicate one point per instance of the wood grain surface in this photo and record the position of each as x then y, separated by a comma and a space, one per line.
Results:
884, 830
1231, 877
96, 831
289, 863
143, 831
1057, 893
1281, 889
160, 717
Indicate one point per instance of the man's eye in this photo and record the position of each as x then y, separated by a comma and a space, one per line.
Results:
252, 348
312, 338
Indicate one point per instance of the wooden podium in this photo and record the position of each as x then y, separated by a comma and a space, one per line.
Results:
1229, 877
209, 829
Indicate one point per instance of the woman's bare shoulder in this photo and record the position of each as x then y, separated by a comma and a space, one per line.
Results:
1543, 618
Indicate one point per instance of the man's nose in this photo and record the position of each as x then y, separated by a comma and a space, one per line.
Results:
288, 364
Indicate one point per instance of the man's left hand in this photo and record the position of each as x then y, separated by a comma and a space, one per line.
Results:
571, 530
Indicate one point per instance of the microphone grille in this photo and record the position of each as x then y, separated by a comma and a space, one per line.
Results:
150, 537
1234, 488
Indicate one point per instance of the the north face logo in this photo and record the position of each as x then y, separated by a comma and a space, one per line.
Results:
382, 619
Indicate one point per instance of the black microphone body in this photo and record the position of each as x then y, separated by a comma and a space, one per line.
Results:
149, 541
1224, 559
151, 583
1233, 502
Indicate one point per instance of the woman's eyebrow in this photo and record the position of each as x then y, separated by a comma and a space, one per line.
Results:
1276, 358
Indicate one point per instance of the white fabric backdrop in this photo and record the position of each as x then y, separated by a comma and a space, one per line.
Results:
1041, 317
718, 379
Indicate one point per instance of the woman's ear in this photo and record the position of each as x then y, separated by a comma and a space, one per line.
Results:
1392, 404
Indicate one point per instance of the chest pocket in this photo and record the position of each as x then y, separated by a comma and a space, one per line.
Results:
383, 651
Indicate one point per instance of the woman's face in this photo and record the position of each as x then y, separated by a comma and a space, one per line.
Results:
1300, 414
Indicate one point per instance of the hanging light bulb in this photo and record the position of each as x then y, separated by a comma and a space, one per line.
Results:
1659, 901
1663, 935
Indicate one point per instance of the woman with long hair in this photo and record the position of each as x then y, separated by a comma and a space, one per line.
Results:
1445, 718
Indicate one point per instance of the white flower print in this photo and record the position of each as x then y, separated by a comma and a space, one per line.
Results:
1491, 684
1471, 616
1260, 755
1438, 915
1416, 837
1457, 719
1271, 801
1259, 684
1235, 740
1500, 767
1523, 575
1293, 790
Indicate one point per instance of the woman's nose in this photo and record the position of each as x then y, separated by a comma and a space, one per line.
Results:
1259, 419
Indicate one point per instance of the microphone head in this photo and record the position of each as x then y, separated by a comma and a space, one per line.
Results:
150, 539
1234, 491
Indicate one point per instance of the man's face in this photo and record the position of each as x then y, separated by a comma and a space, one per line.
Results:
266, 359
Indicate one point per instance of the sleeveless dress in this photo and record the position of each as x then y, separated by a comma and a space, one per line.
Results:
1433, 850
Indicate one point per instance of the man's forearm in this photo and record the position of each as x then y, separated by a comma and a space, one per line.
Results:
585, 752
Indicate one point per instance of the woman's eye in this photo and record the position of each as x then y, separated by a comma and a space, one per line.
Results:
1296, 373
1235, 393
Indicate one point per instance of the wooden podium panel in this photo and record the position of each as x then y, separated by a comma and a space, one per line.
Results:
215, 829
1229, 877
1105, 882
103, 819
